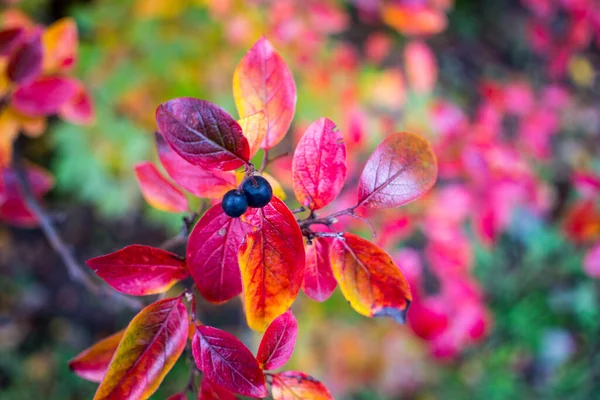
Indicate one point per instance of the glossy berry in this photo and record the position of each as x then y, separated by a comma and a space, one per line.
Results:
258, 191
234, 203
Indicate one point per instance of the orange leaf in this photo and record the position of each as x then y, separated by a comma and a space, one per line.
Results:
369, 279
92, 363
151, 344
294, 385
272, 263
263, 82
414, 20
158, 191
60, 45
255, 129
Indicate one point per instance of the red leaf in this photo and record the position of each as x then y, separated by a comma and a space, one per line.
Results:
79, 109
272, 262
319, 282
25, 64
212, 255
319, 165
369, 278
294, 385
277, 344
402, 168
227, 362
140, 270
178, 396
203, 133
211, 391
92, 363
13, 208
263, 82
158, 191
198, 181
151, 345
10, 38
44, 96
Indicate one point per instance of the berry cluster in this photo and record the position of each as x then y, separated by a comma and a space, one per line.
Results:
255, 192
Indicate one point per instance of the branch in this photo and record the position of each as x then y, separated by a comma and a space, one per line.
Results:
74, 269
266, 161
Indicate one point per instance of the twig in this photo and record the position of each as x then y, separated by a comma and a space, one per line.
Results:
74, 269
266, 161
186, 228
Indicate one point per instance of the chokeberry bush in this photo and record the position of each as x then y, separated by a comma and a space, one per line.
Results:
249, 242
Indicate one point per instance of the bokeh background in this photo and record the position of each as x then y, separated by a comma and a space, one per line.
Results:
503, 255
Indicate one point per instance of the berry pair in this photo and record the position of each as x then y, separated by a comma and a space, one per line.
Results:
255, 192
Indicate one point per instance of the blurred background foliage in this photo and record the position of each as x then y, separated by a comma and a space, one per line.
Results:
502, 255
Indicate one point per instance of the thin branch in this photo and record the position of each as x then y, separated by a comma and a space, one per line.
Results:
74, 269
266, 161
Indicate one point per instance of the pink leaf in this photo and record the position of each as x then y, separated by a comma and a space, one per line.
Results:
203, 133
158, 191
401, 169
319, 282
212, 254
198, 181
277, 344
319, 165
79, 109
44, 96
591, 262
227, 362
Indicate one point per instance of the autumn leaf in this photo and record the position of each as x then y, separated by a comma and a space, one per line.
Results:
198, 181
158, 191
212, 254
203, 133
79, 109
227, 362
319, 282
255, 129
151, 345
10, 38
369, 278
319, 165
263, 82
211, 391
140, 270
60, 45
44, 96
92, 363
294, 385
25, 63
401, 169
415, 19
421, 67
272, 263
277, 344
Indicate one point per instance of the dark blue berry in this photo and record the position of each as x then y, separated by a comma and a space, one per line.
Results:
258, 191
234, 203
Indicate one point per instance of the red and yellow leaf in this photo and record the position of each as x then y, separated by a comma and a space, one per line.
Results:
60, 45
294, 385
203, 133
140, 270
198, 181
263, 82
401, 169
92, 363
369, 278
227, 362
319, 165
44, 96
211, 391
212, 255
319, 282
272, 263
255, 129
150, 346
158, 191
277, 344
